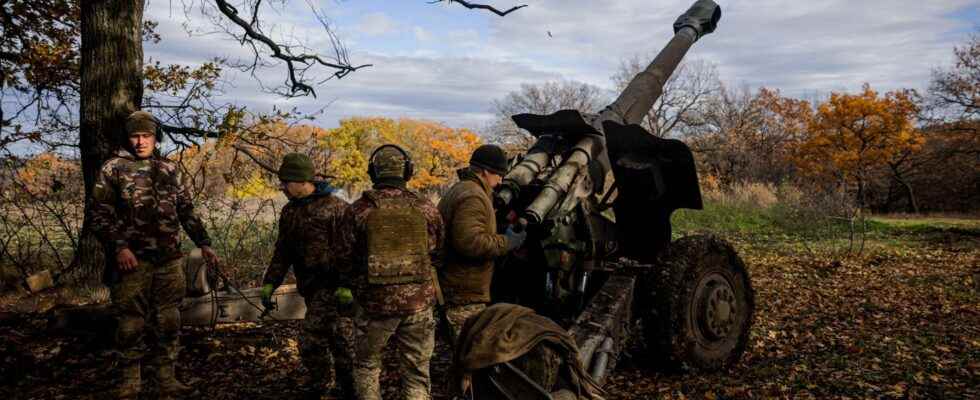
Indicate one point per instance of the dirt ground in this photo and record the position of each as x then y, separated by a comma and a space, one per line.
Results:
900, 321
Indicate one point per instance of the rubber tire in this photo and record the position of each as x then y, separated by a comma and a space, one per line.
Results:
664, 300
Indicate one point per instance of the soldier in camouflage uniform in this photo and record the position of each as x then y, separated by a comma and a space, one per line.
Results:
308, 242
396, 238
140, 202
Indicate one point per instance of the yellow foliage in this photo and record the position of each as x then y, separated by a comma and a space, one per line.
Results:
436, 150
256, 186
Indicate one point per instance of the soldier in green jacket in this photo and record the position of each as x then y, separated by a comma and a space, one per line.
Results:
309, 241
397, 239
139, 204
472, 241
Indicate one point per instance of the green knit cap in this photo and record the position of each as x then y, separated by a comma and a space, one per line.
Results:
296, 167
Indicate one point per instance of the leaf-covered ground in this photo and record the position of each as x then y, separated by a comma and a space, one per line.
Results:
902, 320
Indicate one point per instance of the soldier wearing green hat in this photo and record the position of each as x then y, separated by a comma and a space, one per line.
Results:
139, 204
309, 227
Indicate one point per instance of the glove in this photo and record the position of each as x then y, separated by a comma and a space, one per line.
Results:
514, 239
267, 290
343, 295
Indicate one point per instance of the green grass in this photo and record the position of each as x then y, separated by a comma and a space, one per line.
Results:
726, 218
793, 229
925, 224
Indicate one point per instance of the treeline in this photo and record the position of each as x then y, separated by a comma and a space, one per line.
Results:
899, 151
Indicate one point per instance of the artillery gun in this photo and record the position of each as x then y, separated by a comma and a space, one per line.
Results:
595, 193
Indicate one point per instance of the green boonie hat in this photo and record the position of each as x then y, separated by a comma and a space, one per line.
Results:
491, 158
296, 167
389, 163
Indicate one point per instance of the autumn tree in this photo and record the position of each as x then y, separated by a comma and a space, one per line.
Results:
746, 135
955, 90
436, 150
852, 135
39, 63
948, 165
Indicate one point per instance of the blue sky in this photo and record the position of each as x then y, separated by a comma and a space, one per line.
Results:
446, 63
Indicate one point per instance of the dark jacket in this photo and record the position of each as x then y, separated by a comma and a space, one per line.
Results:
309, 232
472, 241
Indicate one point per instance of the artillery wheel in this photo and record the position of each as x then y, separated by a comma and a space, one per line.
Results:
697, 305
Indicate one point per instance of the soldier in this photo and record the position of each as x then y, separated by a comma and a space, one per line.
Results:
140, 202
472, 241
308, 238
396, 237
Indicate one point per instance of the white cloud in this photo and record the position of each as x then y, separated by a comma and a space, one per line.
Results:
377, 24
464, 37
798, 47
456, 91
421, 34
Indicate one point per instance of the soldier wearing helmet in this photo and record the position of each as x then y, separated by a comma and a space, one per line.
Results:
396, 239
140, 203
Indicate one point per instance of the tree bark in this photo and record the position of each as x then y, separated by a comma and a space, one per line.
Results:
111, 88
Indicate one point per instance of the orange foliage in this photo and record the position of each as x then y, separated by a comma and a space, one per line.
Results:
47, 173
850, 135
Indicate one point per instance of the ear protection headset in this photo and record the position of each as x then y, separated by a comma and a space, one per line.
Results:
407, 170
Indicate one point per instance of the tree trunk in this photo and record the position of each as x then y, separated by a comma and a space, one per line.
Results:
913, 205
111, 88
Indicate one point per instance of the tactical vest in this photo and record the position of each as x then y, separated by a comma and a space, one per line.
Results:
397, 243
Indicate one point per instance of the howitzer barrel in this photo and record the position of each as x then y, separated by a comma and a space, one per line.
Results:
561, 180
646, 87
629, 108
525, 171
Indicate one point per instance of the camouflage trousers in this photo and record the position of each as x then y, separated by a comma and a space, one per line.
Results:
326, 343
415, 335
456, 315
146, 299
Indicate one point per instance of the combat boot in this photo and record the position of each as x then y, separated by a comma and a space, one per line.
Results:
129, 383
168, 383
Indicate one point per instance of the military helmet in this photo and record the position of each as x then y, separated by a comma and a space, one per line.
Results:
390, 161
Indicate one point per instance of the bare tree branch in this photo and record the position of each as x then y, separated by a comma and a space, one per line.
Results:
472, 6
255, 158
296, 64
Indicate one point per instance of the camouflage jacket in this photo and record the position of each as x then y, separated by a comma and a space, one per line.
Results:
141, 205
389, 300
309, 233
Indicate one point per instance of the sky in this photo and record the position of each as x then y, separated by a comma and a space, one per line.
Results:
445, 63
